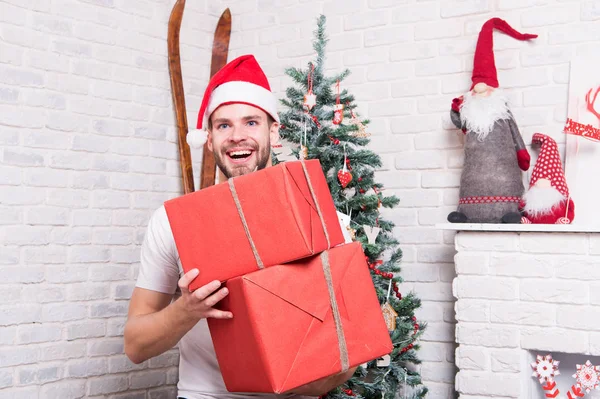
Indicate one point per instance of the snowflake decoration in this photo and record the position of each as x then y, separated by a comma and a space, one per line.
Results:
545, 368
587, 376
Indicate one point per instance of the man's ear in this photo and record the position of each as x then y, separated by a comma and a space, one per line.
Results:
274, 133
209, 140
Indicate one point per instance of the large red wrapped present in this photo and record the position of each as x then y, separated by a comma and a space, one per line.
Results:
300, 322
272, 216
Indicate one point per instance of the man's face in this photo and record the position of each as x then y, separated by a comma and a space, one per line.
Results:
240, 139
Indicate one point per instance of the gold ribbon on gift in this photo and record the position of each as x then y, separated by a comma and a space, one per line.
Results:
324, 261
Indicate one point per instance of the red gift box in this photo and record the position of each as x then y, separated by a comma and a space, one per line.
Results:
284, 332
262, 219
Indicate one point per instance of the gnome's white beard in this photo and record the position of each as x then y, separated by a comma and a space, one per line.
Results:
479, 114
539, 201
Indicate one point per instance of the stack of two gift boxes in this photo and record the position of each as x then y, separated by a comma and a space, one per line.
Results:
303, 302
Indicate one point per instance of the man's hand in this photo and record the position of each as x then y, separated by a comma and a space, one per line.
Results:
155, 325
199, 304
324, 385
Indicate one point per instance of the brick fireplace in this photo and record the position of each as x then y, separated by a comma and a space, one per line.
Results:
521, 292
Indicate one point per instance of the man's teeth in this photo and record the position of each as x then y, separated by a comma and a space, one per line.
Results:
240, 153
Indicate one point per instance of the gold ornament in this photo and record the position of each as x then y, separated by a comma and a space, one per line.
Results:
352, 232
304, 152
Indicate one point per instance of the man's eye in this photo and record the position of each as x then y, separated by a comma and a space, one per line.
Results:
252, 123
223, 126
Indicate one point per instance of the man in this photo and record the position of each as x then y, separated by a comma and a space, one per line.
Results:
239, 114
491, 183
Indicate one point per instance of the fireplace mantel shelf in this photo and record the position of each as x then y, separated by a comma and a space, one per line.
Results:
546, 228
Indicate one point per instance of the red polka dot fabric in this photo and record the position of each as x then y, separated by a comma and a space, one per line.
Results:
548, 165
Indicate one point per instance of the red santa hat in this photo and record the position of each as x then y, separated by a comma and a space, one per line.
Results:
548, 165
484, 65
240, 81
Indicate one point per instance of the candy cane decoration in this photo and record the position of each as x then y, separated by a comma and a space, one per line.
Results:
545, 369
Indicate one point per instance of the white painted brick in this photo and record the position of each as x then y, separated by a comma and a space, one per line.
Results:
389, 71
590, 10
372, 91
105, 346
107, 384
19, 355
577, 267
570, 316
125, 255
132, 112
67, 350
17, 274
65, 274
63, 312
521, 265
439, 66
71, 161
420, 160
115, 328
45, 255
487, 335
46, 177
166, 184
440, 179
546, 55
47, 216
87, 292
526, 77
414, 124
549, 243
554, 291
472, 358
428, 141
36, 333
391, 107
471, 241
420, 272
485, 287
554, 339
88, 254
112, 236
415, 13
512, 4
549, 16
472, 263
594, 245
110, 199
71, 235
472, 310
162, 393
64, 389
10, 176
148, 166
68, 198
523, 313
20, 393
415, 87
545, 96
438, 372
172, 376
22, 158
90, 180
367, 56
452, 9
433, 291
438, 332
86, 368
148, 200
109, 309
85, 329
109, 273
91, 217
488, 384
437, 253
388, 35
413, 51
26, 235
438, 30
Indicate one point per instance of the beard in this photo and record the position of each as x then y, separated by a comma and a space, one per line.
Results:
261, 156
478, 114
540, 201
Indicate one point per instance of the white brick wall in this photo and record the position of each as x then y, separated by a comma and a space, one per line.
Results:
88, 150
520, 292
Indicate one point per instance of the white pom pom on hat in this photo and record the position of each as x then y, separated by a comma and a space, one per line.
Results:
196, 138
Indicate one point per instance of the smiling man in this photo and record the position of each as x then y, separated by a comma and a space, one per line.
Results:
240, 117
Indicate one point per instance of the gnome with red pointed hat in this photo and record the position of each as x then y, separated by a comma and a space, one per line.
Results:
547, 201
491, 184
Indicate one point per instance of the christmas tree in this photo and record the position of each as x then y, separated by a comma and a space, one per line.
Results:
321, 119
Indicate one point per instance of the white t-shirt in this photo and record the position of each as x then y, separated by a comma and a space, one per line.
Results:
160, 270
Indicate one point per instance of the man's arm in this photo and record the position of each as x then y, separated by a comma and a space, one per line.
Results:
155, 325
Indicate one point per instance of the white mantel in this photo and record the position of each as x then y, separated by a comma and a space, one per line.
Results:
522, 290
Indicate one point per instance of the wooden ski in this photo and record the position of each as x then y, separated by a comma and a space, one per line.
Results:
185, 157
220, 52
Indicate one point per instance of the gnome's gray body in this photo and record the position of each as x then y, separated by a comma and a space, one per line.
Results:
491, 169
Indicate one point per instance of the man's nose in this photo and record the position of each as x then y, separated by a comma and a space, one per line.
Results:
238, 133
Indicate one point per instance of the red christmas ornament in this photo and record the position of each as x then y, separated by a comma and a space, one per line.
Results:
345, 178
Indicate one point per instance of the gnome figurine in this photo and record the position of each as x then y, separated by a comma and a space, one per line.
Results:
491, 184
547, 201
